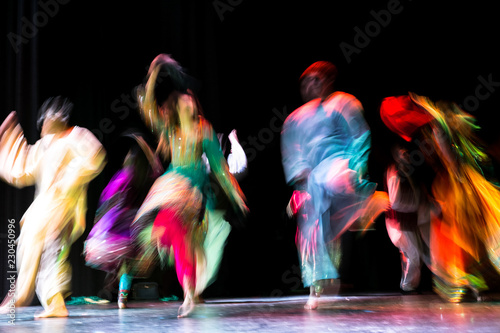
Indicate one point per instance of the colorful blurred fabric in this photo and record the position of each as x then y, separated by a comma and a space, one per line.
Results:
325, 147
61, 167
172, 222
465, 234
109, 244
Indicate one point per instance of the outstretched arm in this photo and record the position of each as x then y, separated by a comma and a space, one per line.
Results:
18, 159
237, 160
220, 168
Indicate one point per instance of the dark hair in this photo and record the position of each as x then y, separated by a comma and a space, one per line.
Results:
53, 106
171, 77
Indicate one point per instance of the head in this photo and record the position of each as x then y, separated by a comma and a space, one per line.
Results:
171, 77
54, 114
400, 154
170, 85
317, 81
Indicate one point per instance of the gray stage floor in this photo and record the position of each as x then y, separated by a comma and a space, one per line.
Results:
373, 313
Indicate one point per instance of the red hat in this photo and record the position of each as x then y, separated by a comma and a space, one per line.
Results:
403, 116
324, 69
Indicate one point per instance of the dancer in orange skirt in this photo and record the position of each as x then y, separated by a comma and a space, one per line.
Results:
465, 231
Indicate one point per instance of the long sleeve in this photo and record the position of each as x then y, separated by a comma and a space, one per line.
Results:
295, 164
359, 131
88, 158
219, 167
18, 159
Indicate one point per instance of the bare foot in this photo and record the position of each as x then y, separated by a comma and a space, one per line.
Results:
4, 309
312, 303
122, 305
186, 308
56, 308
52, 313
8, 304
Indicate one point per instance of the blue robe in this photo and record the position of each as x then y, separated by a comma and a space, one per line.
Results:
325, 147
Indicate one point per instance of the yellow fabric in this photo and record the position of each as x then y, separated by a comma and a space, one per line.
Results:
467, 232
60, 166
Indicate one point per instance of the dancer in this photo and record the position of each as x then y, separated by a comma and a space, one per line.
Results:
60, 165
172, 220
325, 145
219, 210
408, 182
109, 245
465, 233
408, 219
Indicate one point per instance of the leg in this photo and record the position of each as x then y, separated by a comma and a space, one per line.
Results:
410, 278
405, 235
185, 264
29, 251
411, 249
53, 282
170, 231
314, 294
318, 260
213, 246
189, 299
124, 289
56, 308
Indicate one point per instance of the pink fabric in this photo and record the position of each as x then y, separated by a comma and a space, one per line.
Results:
298, 199
169, 229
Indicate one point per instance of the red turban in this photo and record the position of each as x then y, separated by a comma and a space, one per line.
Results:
403, 116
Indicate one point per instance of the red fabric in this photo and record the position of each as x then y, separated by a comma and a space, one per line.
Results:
171, 232
402, 116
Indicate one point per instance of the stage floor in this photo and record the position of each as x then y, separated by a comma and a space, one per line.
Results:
372, 313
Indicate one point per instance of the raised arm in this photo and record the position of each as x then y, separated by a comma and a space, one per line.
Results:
237, 159
220, 169
18, 159
147, 104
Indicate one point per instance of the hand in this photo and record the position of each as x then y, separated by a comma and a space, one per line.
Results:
232, 136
